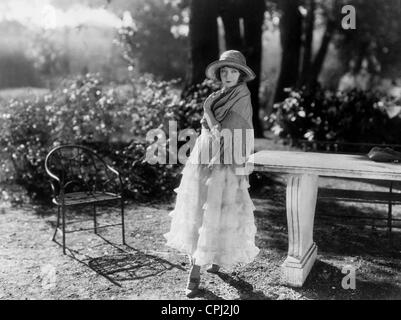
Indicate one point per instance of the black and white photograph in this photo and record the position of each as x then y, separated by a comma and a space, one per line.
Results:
200, 153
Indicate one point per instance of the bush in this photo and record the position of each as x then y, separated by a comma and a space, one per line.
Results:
84, 112
356, 117
25, 135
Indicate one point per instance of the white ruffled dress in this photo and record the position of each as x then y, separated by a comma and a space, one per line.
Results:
213, 219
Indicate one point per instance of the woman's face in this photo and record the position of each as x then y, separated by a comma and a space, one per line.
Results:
229, 76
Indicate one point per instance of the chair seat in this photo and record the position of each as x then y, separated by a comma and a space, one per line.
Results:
75, 198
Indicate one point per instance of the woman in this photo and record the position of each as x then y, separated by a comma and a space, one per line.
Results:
213, 218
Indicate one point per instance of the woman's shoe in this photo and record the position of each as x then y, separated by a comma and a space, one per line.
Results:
213, 269
192, 287
193, 281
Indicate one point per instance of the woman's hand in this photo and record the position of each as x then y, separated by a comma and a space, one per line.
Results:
204, 124
217, 127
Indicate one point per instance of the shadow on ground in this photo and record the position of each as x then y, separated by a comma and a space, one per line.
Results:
338, 229
124, 264
245, 289
357, 242
346, 235
326, 282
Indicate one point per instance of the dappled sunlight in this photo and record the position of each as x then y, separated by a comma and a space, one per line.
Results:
45, 14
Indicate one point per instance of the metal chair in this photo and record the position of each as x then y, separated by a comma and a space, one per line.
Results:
79, 176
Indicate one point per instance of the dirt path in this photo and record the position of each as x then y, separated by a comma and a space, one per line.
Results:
33, 267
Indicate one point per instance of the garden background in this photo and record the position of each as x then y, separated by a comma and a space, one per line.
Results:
103, 73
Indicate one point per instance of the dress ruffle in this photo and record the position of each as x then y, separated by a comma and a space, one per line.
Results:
213, 218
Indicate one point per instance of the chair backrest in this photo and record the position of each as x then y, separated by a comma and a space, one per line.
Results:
75, 168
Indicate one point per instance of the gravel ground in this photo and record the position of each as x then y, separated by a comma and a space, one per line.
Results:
99, 267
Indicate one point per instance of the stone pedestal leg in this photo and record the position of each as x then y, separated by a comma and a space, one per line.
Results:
302, 251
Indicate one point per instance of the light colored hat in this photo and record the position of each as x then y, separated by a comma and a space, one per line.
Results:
230, 58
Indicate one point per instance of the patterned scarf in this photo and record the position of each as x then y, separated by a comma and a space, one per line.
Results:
226, 99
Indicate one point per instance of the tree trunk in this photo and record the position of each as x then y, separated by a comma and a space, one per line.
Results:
290, 34
253, 16
204, 41
230, 14
321, 54
308, 43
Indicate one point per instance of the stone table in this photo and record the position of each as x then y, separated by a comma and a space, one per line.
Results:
304, 169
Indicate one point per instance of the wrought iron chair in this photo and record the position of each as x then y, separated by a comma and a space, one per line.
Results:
79, 176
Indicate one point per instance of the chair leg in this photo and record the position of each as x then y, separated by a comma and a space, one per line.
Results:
57, 223
122, 220
94, 218
63, 221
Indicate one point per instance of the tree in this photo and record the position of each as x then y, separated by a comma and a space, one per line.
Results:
301, 66
377, 35
204, 41
290, 36
148, 41
203, 38
309, 28
331, 17
253, 16
375, 39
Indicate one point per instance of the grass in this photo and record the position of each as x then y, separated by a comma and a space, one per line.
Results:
22, 93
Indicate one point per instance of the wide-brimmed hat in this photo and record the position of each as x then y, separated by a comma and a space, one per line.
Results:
230, 58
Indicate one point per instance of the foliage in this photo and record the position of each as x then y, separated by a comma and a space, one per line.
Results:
374, 42
356, 116
155, 40
83, 111
376, 34
48, 57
